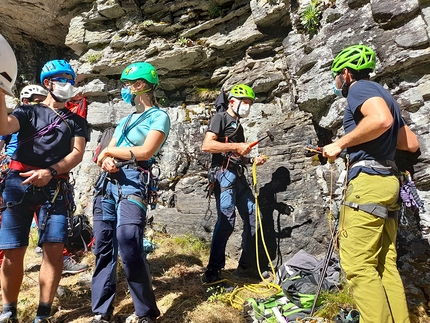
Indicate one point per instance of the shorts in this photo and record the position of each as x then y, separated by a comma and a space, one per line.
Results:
24, 201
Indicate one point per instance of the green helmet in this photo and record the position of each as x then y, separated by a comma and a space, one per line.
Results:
356, 57
242, 91
140, 70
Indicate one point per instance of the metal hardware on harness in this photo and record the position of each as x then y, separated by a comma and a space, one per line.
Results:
50, 206
132, 161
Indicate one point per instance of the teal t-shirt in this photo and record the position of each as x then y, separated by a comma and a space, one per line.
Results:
138, 125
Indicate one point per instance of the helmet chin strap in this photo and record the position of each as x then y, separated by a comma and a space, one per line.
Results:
345, 86
54, 96
237, 112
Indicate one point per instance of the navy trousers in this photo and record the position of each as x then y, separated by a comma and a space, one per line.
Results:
119, 224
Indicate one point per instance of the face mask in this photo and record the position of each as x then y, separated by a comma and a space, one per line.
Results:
243, 109
127, 96
337, 92
63, 91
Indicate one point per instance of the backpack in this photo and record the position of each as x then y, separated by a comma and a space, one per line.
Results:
78, 106
81, 237
293, 302
103, 141
271, 309
221, 102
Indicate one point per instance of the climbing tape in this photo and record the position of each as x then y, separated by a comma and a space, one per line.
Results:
266, 288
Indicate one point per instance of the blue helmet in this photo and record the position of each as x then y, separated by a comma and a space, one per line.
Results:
55, 67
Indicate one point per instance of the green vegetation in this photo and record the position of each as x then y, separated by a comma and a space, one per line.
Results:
310, 18
215, 10
183, 41
147, 23
176, 267
163, 101
94, 57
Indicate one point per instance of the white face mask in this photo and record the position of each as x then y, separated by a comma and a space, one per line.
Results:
63, 91
243, 109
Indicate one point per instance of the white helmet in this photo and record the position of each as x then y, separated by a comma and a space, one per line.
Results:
29, 90
8, 67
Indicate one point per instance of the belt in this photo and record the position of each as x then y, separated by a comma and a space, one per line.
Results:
21, 167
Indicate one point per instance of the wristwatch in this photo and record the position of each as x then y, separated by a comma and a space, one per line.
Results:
53, 171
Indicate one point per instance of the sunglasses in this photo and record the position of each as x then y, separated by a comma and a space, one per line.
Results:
63, 80
130, 83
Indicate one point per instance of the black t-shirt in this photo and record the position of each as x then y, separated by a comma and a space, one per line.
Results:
381, 148
44, 136
225, 126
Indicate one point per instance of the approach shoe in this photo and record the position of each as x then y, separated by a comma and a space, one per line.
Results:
70, 266
7, 318
44, 320
133, 318
101, 319
250, 273
212, 277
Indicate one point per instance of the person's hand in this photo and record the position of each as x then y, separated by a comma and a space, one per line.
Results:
39, 177
260, 159
108, 165
331, 151
243, 148
102, 156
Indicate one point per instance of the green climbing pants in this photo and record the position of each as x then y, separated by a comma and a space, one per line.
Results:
368, 251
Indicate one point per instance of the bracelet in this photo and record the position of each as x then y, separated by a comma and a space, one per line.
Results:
251, 160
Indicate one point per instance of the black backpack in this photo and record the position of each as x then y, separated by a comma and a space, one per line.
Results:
82, 236
103, 141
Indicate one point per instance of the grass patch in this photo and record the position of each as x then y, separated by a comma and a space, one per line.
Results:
176, 267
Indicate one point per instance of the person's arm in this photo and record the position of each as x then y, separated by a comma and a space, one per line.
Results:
376, 120
8, 124
41, 177
153, 141
211, 145
407, 140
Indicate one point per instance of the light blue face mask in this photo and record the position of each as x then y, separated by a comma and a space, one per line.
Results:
337, 92
127, 96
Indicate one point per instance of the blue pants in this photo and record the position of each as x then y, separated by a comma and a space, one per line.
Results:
16, 220
119, 222
232, 191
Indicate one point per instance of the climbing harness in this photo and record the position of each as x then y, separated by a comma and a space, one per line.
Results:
147, 176
62, 186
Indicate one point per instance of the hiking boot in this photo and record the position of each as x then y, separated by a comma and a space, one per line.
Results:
70, 266
212, 277
7, 318
101, 319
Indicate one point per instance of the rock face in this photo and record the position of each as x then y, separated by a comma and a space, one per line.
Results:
199, 46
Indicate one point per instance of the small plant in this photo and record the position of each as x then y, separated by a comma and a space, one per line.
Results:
163, 101
215, 11
311, 18
94, 57
218, 294
147, 23
183, 41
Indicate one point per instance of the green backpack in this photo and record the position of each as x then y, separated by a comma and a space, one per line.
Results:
301, 288
270, 309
